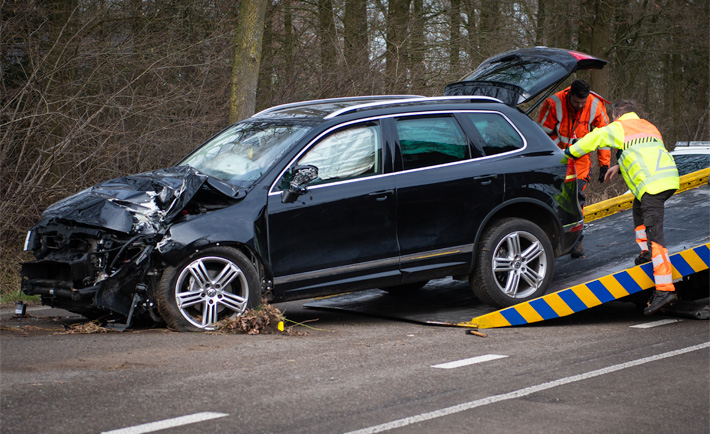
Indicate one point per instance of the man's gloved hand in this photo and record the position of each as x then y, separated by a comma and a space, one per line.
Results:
602, 172
566, 157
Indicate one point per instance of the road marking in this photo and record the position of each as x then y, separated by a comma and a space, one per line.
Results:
522, 392
648, 325
466, 362
167, 423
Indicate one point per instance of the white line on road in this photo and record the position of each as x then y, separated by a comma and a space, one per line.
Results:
522, 392
648, 325
466, 362
167, 423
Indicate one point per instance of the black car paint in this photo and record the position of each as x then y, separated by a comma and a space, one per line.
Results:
293, 230
397, 219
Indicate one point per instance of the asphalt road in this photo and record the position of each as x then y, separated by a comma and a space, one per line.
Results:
589, 373
605, 370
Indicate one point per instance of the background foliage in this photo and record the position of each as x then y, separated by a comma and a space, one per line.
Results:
96, 89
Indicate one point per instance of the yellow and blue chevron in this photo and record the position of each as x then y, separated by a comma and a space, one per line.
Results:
590, 294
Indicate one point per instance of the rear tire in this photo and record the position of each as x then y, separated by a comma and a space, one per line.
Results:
515, 263
207, 287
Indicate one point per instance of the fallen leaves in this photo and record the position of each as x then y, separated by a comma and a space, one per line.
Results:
265, 319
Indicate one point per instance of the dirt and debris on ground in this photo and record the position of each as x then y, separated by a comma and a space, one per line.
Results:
265, 319
84, 328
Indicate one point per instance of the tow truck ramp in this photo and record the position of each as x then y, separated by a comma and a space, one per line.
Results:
593, 293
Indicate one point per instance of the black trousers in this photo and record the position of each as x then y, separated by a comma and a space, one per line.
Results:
649, 212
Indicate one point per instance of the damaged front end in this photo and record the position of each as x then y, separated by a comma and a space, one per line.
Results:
95, 250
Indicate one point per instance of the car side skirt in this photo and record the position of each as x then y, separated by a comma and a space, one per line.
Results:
423, 265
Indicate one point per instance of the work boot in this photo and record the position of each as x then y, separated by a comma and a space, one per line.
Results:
644, 257
577, 251
659, 300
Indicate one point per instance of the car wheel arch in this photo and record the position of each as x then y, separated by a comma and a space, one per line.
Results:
174, 257
530, 209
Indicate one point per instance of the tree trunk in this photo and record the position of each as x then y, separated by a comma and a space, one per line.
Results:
595, 38
395, 57
490, 17
247, 57
266, 83
474, 56
541, 23
327, 36
417, 66
455, 37
355, 32
555, 22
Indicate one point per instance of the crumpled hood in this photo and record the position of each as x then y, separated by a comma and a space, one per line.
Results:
139, 203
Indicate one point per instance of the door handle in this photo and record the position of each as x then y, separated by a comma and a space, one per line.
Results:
484, 179
381, 195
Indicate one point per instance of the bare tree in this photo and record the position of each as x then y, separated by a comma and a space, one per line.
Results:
92, 90
355, 32
595, 38
247, 58
396, 56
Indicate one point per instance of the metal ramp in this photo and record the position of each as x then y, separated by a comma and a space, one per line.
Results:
587, 295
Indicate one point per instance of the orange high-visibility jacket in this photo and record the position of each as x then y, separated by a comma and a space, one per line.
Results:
564, 125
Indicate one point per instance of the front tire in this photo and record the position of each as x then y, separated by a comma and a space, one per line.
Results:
207, 287
514, 264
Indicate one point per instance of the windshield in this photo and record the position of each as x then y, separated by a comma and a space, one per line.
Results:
243, 152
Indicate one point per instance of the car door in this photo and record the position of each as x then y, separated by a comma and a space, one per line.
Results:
517, 77
444, 191
342, 231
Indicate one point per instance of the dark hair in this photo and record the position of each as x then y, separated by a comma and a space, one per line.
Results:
622, 107
580, 88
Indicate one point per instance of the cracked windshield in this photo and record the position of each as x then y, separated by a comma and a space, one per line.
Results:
242, 153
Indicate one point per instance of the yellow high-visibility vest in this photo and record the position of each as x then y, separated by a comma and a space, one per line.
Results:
646, 165
644, 162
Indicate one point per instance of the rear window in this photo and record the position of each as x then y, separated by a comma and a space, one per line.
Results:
531, 75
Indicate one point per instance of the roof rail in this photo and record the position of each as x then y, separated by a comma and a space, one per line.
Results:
344, 99
470, 98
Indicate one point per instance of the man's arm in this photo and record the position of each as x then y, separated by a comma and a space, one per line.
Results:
611, 136
603, 154
548, 118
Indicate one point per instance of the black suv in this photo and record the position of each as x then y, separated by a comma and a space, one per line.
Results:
323, 197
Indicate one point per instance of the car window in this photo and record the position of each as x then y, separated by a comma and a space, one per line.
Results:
344, 154
243, 152
496, 133
688, 163
530, 74
428, 141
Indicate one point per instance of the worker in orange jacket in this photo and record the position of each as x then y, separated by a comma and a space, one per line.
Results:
568, 116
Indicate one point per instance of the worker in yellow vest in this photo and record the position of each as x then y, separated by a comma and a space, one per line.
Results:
651, 174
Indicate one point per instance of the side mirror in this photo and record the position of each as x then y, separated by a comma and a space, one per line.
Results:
302, 176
